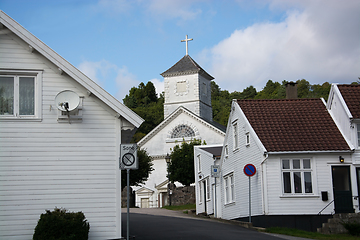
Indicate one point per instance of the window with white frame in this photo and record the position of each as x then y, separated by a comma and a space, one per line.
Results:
358, 134
229, 188
247, 139
226, 151
19, 95
207, 189
200, 192
296, 176
199, 162
235, 134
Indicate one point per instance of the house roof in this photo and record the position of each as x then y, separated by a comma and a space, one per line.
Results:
293, 125
215, 151
186, 66
351, 95
69, 69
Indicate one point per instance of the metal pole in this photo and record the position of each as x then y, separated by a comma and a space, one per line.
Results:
215, 199
249, 199
128, 203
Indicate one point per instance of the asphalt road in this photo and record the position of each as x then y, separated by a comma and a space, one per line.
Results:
165, 224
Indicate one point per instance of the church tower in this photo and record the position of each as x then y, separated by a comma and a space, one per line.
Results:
187, 84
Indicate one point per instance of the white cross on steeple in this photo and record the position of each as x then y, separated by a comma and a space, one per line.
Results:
187, 40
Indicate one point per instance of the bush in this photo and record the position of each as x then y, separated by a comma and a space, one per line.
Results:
61, 225
352, 227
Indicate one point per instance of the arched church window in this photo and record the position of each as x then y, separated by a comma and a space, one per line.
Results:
182, 131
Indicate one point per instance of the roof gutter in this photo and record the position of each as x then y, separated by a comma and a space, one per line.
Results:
308, 152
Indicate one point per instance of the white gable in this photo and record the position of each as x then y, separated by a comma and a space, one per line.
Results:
46, 163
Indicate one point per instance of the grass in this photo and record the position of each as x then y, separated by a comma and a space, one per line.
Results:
182, 207
312, 235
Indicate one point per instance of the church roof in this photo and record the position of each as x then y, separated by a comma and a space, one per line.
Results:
186, 66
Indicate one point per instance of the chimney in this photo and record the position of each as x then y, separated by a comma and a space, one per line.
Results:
291, 90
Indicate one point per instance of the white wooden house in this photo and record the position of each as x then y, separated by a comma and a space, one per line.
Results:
296, 148
344, 106
50, 158
206, 156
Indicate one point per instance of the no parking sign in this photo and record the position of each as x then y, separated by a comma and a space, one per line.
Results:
249, 170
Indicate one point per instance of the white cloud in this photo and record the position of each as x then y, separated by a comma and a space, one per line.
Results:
182, 9
319, 42
115, 80
159, 85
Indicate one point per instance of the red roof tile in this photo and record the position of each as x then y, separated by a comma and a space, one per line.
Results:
293, 125
351, 95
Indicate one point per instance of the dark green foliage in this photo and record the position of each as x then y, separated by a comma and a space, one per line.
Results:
140, 175
181, 167
144, 102
61, 225
352, 227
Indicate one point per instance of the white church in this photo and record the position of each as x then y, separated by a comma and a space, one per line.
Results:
187, 116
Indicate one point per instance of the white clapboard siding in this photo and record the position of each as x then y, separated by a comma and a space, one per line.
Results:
45, 164
235, 163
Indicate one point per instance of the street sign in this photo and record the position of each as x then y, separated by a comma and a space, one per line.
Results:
249, 170
128, 156
215, 171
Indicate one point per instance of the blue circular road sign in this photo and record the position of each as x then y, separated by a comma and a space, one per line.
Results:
249, 170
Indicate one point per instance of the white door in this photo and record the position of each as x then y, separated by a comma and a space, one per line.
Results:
145, 203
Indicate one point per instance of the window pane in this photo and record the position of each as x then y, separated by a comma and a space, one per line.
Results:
226, 190
285, 164
232, 188
308, 184
296, 164
6, 96
235, 136
182, 131
306, 163
287, 184
358, 132
297, 182
26, 96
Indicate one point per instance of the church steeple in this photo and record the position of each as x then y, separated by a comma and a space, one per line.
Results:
187, 85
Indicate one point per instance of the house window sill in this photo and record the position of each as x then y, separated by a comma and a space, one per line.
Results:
299, 196
229, 204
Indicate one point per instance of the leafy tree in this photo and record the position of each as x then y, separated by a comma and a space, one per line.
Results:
144, 102
272, 90
181, 167
140, 175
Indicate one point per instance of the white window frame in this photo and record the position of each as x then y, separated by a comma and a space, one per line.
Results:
37, 75
208, 193
199, 163
229, 188
302, 172
226, 151
247, 139
200, 192
235, 136
358, 135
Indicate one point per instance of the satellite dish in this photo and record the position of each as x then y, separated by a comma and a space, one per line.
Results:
67, 100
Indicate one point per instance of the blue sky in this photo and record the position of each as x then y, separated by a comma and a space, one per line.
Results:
120, 43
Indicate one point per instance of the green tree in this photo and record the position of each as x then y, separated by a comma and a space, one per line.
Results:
144, 102
272, 90
140, 175
181, 167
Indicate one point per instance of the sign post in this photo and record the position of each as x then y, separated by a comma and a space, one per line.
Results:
249, 171
128, 160
215, 173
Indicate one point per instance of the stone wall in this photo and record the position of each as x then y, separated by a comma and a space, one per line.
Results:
182, 195
124, 198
